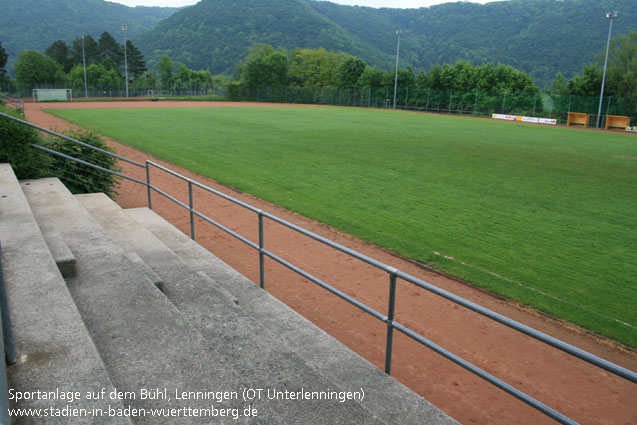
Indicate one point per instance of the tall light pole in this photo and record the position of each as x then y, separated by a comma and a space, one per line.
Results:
84, 62
398, 32
124, 28
610, 16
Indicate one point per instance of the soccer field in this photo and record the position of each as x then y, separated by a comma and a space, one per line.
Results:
543, 215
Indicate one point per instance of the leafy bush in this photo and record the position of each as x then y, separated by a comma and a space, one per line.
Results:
31, 163
80, 178
15, 147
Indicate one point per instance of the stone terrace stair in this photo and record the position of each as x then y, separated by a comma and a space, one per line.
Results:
210, 329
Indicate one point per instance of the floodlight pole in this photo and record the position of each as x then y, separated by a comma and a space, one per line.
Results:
84, 62
124, 28
610, 16
398, 32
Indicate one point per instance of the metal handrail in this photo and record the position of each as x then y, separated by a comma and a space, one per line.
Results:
393, 274
16, 103
70, 139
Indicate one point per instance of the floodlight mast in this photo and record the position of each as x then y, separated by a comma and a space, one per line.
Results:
124, 28
398, 32
610, 16
84, 62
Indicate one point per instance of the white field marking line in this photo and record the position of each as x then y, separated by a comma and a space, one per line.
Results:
621, 322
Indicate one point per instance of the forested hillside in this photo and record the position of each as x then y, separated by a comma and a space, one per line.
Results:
217, 34
540, 37
35, 24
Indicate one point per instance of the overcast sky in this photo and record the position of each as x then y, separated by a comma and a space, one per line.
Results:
371, 3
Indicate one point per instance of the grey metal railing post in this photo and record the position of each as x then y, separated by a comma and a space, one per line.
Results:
150, 205
7, 347
7, 333
390, 319
261, 256
192, 218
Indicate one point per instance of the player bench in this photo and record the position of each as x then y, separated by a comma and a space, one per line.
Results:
616, 122
577, 118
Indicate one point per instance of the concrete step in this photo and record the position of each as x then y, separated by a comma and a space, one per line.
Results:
388, 399
55, 351
149, 349
148, 272
62, 255
254, 352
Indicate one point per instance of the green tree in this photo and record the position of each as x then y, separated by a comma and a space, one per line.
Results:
165, 68
372, 77
406, 77
110, 64
148, 81
4, 56
184, 77
621, 73
109, 48
431, 79
97, 77
91, 50
204, 77
33, 68
622, 66
350, 71
264, 66
136, 63
589, 83
315, 67
559, 85
59, 52
464, 76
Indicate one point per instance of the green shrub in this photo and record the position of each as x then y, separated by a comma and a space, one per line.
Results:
31, 163
80, 178
15, 147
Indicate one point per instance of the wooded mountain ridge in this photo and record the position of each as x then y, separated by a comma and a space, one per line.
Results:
540, 37
36, 24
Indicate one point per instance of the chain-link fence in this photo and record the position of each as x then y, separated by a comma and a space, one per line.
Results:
103, 91
479, 103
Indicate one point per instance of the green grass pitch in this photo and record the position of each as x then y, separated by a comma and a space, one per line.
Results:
543, 215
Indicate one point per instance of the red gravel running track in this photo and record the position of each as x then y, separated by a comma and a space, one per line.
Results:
583, 392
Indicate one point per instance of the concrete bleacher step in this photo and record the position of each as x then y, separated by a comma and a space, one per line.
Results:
148, 272
55, 351
145, 342
256, 353
388, 399
62, 255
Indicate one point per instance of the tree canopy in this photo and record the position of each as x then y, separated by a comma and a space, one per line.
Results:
621, 75
33, 67
622, 65
264, 66
3, 61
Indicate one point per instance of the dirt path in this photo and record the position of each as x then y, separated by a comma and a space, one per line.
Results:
581, 391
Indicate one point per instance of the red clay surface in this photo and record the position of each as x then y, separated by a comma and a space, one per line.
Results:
581, 391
